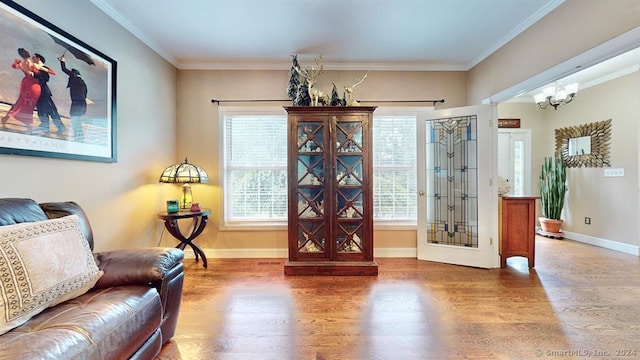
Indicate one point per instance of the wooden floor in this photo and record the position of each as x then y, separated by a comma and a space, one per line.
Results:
579, 302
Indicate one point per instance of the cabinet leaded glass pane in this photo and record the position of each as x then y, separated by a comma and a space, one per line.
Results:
311, 236
349, 237
310, 145
349, 194
452, 205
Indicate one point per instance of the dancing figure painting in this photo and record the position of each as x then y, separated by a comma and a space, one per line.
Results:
57, 93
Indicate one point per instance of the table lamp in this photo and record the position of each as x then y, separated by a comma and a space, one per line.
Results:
186, 174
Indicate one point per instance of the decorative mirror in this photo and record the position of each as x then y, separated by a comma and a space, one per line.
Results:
580, 146
585, 145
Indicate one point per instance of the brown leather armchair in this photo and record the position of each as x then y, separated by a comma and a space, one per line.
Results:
130, 312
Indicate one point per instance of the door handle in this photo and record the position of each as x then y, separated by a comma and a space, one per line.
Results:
421, 193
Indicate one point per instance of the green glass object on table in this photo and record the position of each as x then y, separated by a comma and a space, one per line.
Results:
172, 206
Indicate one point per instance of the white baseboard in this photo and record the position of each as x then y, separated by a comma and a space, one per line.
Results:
395, 252
284, 253
399, 252
607, 244
239, 253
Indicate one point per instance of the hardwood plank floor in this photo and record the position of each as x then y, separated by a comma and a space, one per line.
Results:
580, 301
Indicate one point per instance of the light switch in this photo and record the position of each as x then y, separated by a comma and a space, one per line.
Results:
614, 172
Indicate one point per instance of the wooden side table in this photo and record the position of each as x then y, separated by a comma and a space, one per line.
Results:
199, 222
517, 228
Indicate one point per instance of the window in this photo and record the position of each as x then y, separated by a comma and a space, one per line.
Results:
394, 169
255, 168
254, 146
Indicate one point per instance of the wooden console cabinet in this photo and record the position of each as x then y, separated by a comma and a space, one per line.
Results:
330, 191
517, 228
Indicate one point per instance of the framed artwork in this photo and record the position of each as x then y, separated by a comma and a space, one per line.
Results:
57, 94
585, 145
509, 123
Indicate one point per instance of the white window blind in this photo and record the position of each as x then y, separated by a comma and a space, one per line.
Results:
255, 168
394, 168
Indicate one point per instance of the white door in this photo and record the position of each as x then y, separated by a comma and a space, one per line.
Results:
457, 202
514, 159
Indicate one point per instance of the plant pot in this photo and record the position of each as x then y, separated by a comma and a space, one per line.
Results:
550, 227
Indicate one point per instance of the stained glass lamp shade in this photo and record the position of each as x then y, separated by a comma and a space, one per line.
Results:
186, 174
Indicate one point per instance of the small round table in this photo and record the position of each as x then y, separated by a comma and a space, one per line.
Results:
199, 222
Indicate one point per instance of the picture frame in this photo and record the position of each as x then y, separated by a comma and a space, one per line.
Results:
76, 118
508, 123
586, 145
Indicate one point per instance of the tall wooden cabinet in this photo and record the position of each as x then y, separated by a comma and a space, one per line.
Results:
517, 216
330, 191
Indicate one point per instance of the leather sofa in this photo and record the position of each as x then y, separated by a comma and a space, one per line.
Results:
129, 313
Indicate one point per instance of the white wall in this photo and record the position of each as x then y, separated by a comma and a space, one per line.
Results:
534, 119
162, 119
121, 199
199, 133
584, 24
610, 202
574, 27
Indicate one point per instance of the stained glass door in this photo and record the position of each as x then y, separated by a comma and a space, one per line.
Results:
457, 209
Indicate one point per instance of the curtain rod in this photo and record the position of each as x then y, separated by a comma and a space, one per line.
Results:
441, 101
218, 101
434, 102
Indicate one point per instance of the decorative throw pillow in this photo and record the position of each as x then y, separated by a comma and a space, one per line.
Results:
42, 264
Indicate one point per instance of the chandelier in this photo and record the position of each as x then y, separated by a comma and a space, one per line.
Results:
556, 95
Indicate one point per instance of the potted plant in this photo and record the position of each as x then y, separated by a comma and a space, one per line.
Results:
553, 187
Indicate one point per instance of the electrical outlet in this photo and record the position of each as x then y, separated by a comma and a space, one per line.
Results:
587, 220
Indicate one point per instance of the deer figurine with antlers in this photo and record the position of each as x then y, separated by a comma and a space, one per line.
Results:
351, 101
311, 76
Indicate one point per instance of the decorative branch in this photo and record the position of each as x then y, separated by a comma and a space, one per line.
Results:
349, 90
311, 76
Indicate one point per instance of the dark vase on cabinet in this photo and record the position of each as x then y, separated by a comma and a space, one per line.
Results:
330, 191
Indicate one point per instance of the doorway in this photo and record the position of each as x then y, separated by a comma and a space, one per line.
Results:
514, 159
457, 207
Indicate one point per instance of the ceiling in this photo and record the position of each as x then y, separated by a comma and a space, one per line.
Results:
350, 34
429, 35
610, 69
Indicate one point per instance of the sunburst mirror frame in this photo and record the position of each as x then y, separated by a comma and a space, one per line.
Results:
600, 134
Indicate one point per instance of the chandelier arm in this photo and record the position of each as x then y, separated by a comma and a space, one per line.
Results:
556, 96
570, 98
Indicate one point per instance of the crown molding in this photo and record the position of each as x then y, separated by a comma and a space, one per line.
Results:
605, 51
117, 17
286, 65
231, 64
515, 32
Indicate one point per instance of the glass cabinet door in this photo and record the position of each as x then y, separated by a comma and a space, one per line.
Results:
312, 228
348, 165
